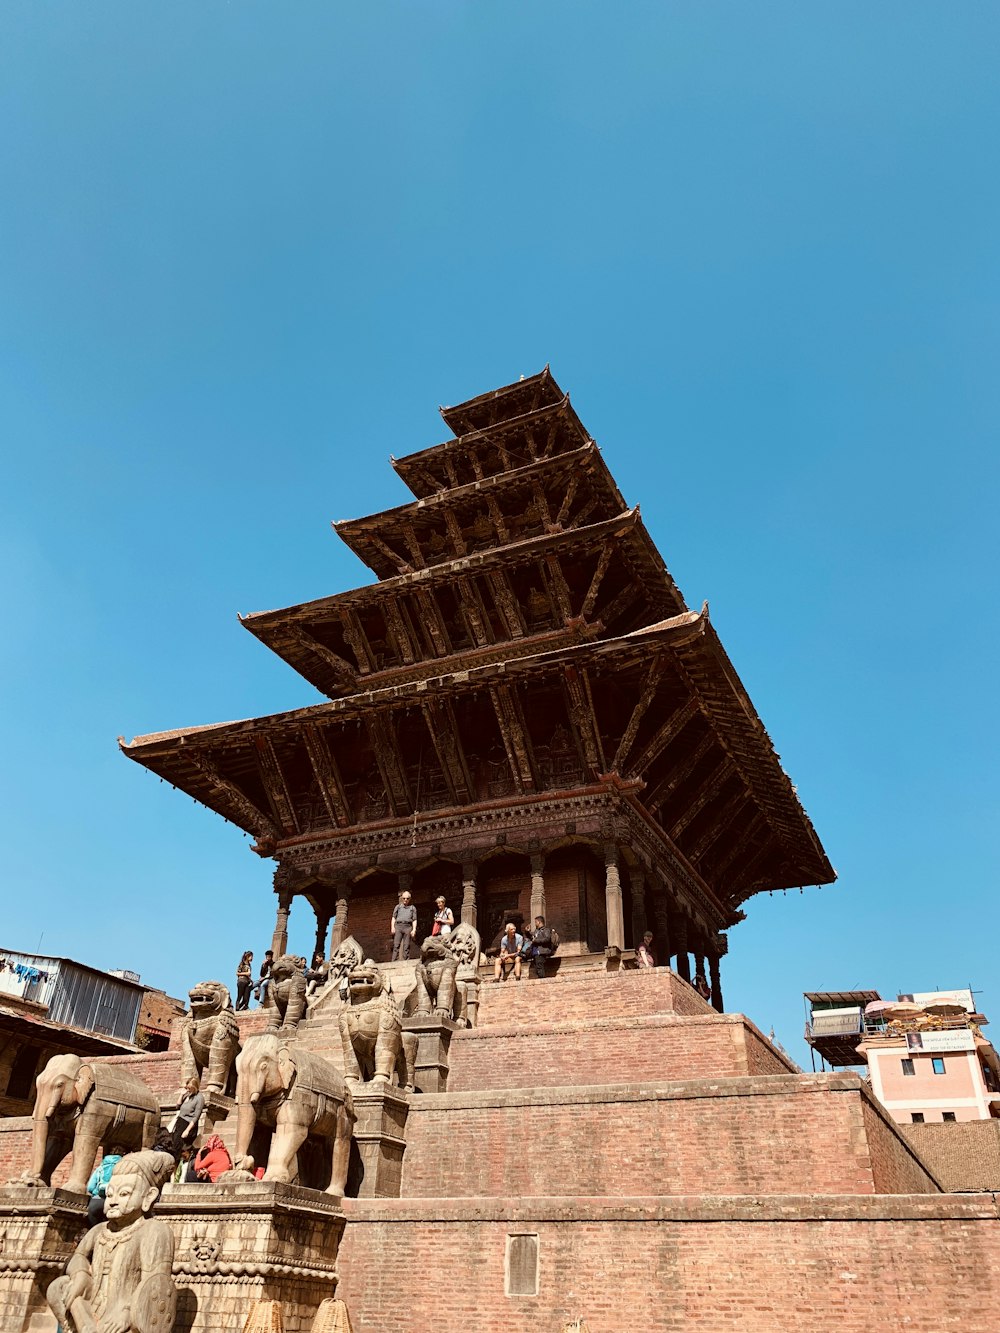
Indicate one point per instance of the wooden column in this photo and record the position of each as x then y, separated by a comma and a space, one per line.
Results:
679, 930
340, 932
469, 910
613, 898
716, 948
279, 940
662, 938
637, 882
322, 925
537, 889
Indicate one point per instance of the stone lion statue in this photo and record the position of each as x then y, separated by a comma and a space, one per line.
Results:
210, 1037
447, 976
286, 995
371, 1031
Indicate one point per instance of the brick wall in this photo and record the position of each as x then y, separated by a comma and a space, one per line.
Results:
896, 1163
858, 1265
963, 1156
774, 1135
588, 994
610, 1050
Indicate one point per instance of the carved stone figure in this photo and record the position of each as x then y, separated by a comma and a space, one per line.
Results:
287, 994
294, 1093
210, 1037
80, 1107
465, 944
371, 1031
119, 1280
348, 954
445, 973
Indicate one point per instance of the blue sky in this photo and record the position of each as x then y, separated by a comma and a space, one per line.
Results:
245, 251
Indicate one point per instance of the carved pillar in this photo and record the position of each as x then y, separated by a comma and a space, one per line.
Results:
679, 930
537, 889
717, 948
279, 940
662, 938
613, 898
322, 925
469, 911
340, 932
637, 882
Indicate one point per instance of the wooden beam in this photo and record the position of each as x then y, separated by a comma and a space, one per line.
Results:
663, 735
399, 632
620, 603
344, 674
726, 817
413, 546
394, 558
455, 533
506, 603
496, 514
432, 622
580, 708
552, 572
649, 688
248, 815
357, 641
721, 869
568, 498
607, 551
541, 501
475, 612
274, 785
709, 788
327, 773
515, 737
669, 784
440, 719
388, 756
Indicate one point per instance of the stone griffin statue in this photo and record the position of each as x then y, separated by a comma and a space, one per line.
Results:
286, 995
446, 973
210, 1037
119, 1280
371, 1030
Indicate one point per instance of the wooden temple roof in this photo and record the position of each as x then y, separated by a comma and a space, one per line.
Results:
512, 400
662, 707
568, 490
595, 580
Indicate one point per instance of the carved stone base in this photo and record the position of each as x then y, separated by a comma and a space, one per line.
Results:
433, 1040
380, 1138
39, 1230
244, 1243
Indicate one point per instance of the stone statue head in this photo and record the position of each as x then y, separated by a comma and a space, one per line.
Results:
464, 943
208, 998
364, 982
285, 967
135, 1185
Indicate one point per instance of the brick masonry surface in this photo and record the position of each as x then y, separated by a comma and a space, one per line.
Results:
963, 1156
588, 995
767, 1135
801, 1265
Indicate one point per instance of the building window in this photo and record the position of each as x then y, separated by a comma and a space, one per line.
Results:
522, 1265
938, 1064
22, 1073
917, 1117
907, 1066
948, 1115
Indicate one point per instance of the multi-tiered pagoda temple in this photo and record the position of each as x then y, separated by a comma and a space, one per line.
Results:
522, 715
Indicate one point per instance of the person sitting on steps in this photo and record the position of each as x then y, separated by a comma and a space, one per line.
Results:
511, 944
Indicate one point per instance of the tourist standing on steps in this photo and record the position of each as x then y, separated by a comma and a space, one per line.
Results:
244, 980
403, 927
511, 944
644, 956
444, 918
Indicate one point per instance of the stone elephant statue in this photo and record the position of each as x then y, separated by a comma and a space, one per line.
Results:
81, 1106
294, 1093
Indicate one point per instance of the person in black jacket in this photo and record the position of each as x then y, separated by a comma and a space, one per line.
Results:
543, 945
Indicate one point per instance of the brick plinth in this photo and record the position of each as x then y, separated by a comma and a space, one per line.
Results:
431, 1066
586, 994
380, 1139
39, 1230
772, 1135
241, 1243
750, 1265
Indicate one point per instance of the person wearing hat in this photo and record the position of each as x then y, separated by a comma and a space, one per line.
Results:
644, 956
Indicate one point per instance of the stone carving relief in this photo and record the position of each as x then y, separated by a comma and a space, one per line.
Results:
119, 1280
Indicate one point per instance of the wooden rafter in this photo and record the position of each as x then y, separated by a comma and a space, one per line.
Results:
327, 773
581, 714
506, 603
357, 641
388, 756
413, 545
567, 500
751, 831
658, 795
496, 514
432, 622
559, 589
440, 719
399, 631
541, 501
663, 735
394, 558
724, 819
620, 603
706, 791
455, 533
607, 551
650, 685
248, 814
344, 673
515, 737
274, 784
475, 612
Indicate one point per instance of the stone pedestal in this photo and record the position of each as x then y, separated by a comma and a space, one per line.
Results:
433, 1040
220, 1118
39, 1230
237, 1244
380, 1138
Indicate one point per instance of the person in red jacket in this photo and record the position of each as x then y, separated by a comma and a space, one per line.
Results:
212, 1159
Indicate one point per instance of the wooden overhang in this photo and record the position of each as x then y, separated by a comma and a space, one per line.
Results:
567, 491
661, 707
502, 447
614, 576
511, 400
